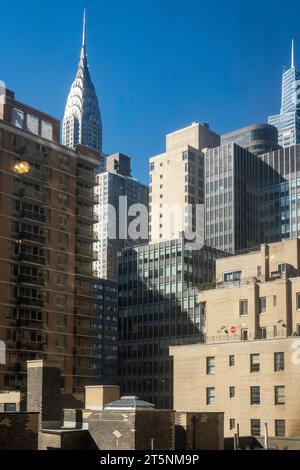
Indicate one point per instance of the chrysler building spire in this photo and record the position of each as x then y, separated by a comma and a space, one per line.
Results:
84, 30
82, 118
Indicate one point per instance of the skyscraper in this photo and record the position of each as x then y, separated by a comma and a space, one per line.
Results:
177, 182
279, 203
110, 187
157, 308
231, 198
288, 121
82, 119
47, 308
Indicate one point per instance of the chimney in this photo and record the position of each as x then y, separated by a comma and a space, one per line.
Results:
43, 393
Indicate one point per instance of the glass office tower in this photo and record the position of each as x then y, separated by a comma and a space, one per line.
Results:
288, 121
106, 301
231, 198
158, 287
280, 194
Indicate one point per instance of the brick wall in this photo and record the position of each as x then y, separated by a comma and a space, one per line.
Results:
19, 431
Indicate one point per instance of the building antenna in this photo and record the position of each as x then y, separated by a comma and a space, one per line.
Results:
84, 28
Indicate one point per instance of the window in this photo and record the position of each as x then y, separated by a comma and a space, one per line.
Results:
245, 335
298, 300
274, 300
279, 427
280, 395
263, 332
255, 395
255, 427
254, 363
231, 361
232, 276
258, 271
151, 166
282, 268
232, 423
243, 307
210, 365
210, 396
262, 305
10, 407
278, 362
231, 392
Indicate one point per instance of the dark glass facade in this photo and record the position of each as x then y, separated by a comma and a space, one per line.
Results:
280, 194
106, 300
158, 307
231, 198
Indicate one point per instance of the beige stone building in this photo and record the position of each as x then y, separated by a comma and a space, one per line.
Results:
250, 365
177, 180
10, 400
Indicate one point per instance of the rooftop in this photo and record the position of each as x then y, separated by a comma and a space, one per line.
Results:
129, 403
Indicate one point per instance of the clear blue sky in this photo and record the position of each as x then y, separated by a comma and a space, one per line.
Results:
157, 65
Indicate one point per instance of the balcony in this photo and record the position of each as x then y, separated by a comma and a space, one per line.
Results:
30, 345
31, 215
90, 332
231, 338
30, 301
27, 258
29, 323
82, 291
86, 253
33, 237
36, 281
40, 175
86, 233
86, 176
13, 368
87, 214
85, 194
27, 193
86, 311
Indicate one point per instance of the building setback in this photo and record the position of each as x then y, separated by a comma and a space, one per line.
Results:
257, 138
157, 306
249, 366
46, 238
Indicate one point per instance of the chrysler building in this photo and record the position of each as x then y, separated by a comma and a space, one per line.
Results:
82, 118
